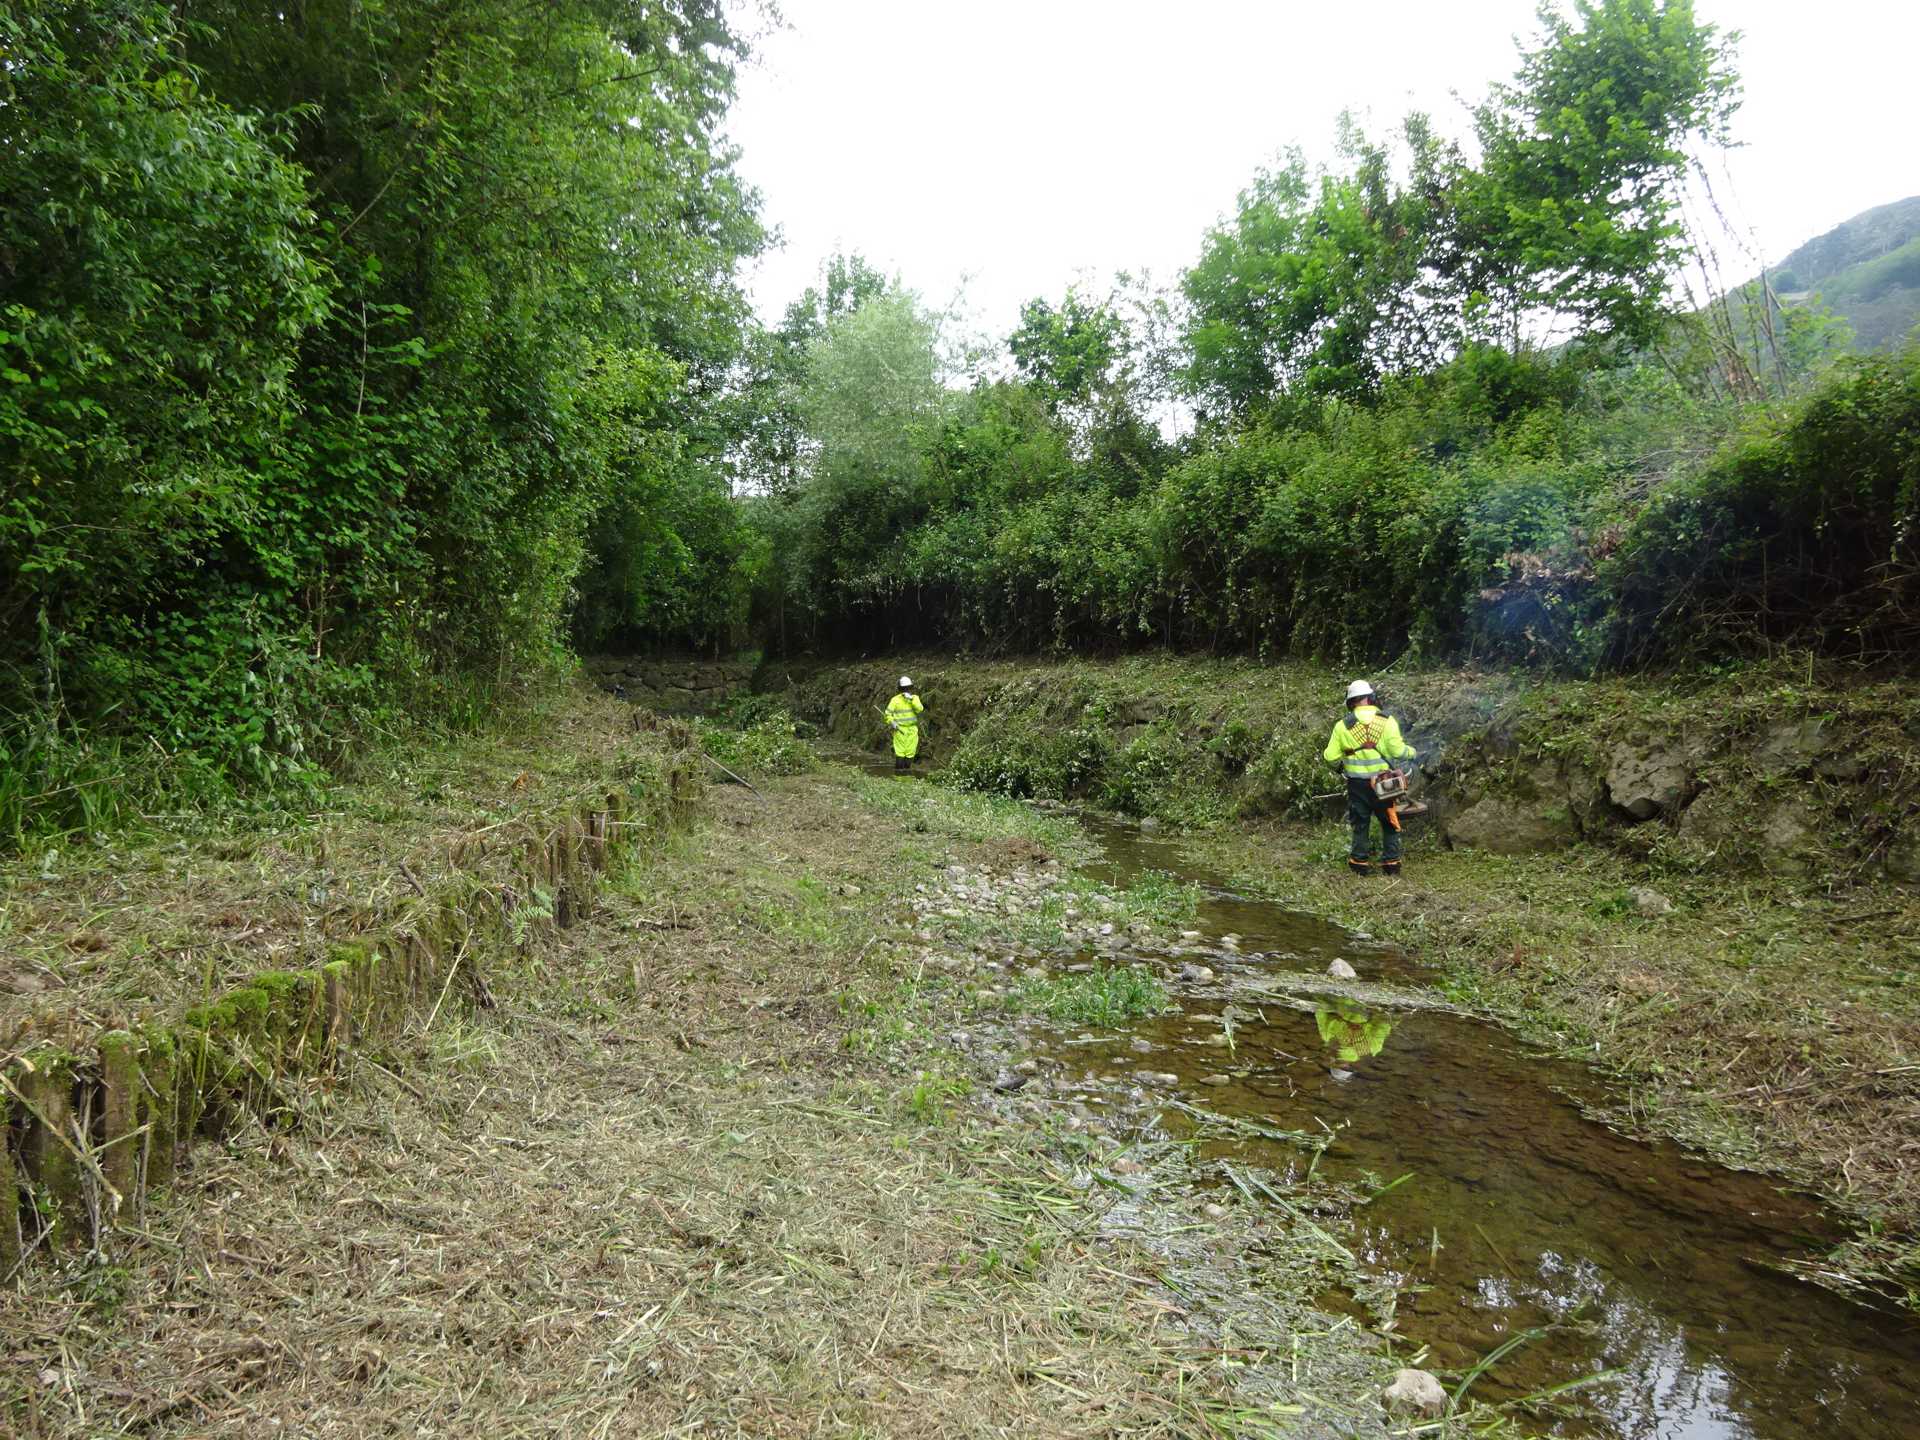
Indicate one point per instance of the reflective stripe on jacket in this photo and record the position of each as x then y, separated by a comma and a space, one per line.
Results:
1366, 743
903, 711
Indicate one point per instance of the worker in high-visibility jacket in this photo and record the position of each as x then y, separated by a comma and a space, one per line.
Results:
1363, 747
903, 719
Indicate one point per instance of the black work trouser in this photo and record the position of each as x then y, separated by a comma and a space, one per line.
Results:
1363, 808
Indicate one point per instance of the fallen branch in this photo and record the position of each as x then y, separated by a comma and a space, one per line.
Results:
724, 771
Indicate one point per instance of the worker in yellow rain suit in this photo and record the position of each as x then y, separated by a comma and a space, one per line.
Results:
1363, 747
903, 718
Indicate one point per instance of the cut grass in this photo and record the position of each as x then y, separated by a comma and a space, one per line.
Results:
99, 935
664, 1195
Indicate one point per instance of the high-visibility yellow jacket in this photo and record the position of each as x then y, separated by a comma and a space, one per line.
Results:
903, 718
1366, 743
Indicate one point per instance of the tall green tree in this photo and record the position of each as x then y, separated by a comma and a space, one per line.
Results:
332, 336
1573, 215
1316, 283
158, 273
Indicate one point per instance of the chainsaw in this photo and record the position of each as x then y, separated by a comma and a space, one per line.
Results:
1391, 786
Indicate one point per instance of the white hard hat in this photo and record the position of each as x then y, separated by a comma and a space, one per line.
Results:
906, 682
1357, 689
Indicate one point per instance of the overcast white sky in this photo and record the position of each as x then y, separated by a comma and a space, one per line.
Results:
1019, 145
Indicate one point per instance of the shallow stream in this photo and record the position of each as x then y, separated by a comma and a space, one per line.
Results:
1519, 1212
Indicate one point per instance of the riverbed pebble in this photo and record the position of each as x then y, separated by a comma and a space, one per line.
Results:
1215, 1080
1341, 970
1415, 1390
1648, 903
1155, 1077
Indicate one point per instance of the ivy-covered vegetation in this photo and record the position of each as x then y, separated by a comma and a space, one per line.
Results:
339, 345
358, 360
1446, 397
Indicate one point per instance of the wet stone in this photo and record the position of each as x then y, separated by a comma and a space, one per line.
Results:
1341, 970
1417, 1391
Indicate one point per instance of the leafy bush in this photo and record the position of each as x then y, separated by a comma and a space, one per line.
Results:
773, 745
1284, 781
1806, 531
1023, 751
1163, 774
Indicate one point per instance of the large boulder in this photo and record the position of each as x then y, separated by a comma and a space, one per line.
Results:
1510, 827
1648, 779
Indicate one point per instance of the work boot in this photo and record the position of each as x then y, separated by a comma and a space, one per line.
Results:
1359, 867
1390, 869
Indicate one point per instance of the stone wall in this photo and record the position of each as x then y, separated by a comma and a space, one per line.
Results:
673, 687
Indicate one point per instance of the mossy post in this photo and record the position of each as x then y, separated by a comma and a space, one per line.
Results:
10, 1238
120, 1112
48, 1155
161, 1073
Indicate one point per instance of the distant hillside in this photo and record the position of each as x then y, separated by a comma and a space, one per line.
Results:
1866, 270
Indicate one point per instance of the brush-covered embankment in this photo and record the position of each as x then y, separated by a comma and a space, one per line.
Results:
194, 977
1705, 885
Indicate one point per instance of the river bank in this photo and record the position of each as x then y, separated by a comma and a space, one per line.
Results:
749, 1147
1701, 888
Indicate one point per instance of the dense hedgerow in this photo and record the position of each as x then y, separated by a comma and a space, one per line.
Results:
334, 342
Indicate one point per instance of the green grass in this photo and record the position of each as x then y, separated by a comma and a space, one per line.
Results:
1162, 899
1107, 995
967, 815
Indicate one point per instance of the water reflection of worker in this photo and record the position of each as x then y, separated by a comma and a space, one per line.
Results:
1363, 747
903, 719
